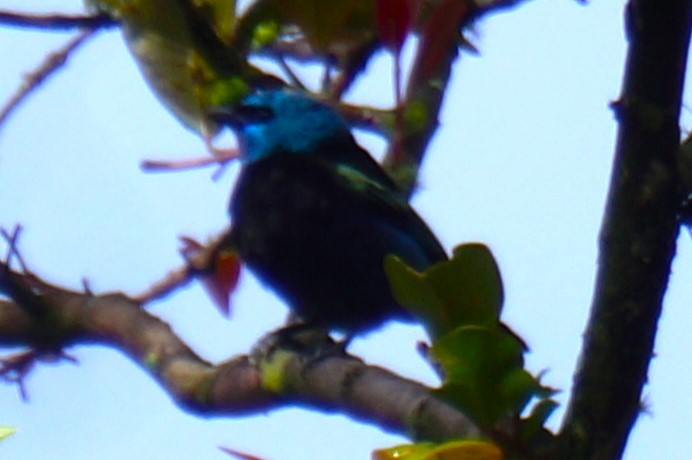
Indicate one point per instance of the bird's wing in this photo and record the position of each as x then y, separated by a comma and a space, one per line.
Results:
387, 206
347, 152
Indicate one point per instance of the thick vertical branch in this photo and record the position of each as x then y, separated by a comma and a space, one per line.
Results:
638, 236
426, 87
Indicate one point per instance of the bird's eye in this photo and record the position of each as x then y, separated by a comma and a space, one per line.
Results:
255, 113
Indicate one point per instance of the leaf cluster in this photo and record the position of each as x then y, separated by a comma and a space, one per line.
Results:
479, 359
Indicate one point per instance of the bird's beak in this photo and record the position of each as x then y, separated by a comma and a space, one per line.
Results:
227, 116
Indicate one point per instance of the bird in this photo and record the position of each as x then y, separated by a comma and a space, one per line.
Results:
313, 215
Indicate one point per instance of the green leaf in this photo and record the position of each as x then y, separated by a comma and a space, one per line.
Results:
533, 424
331, 23
453, 450
484, 374
329, 26
6, 432
182, 49
481, 360
517, 388
227, 92
221, 15
264, 33
470, 285
404, 452
412, 290
465, 290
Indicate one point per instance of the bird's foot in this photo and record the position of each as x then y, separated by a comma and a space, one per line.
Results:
311, 341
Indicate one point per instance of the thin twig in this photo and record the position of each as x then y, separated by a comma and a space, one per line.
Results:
399, 127
12, 240
292, 77
56, 21
183, 165
176, 165
16, 367
199, 259
49, 66
174, 280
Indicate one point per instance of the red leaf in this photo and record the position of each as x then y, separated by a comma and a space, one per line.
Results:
219, 277
223, 280
393, 19
239, 455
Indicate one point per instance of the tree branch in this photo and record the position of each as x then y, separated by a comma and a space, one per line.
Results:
49, 317
436, 53
638, 237
56, 21
50, 65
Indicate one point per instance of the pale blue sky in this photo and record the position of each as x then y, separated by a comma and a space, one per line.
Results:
521, 162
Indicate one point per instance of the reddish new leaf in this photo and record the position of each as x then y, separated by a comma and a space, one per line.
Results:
239, 455
393, 20
223, 280
219, 276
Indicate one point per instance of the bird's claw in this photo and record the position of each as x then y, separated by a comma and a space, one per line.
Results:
312, 341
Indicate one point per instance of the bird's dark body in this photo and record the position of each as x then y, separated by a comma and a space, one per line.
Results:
314, 215
319, 237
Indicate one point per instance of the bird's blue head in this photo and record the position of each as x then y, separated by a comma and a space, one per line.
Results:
268, 122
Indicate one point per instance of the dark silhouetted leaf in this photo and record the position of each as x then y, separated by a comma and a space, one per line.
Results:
393, 23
